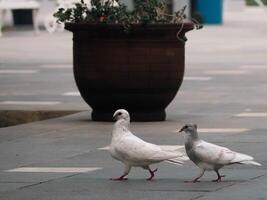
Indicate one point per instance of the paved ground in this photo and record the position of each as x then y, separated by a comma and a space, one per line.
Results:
224, 92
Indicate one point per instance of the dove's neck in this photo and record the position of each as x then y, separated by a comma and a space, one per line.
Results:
190, 140
121, 127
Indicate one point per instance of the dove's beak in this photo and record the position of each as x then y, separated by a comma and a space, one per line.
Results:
115, 116
181, 130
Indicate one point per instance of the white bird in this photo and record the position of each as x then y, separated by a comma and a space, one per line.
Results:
135, 152
208, 156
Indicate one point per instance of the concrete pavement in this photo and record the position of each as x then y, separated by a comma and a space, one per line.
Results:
73, 142
224, 92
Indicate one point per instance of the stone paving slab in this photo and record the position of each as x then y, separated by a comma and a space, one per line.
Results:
74, 141
254, 189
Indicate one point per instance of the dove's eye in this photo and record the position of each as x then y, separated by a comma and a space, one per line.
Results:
119, 113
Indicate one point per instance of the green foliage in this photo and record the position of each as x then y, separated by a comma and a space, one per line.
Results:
114, 12
100, 12
146, 11
253, 3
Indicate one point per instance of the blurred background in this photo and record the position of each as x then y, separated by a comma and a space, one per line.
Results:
16, 13
36, 78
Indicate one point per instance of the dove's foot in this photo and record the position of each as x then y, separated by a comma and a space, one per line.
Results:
197, 178
121, 178
192, 181
219, 179
152, 174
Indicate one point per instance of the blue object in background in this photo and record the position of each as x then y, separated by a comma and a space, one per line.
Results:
210, 10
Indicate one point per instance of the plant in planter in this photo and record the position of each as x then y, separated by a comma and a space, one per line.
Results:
131, 59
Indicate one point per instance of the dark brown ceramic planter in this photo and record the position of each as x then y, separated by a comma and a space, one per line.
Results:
140, 71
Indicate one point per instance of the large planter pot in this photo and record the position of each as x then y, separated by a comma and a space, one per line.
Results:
140, 71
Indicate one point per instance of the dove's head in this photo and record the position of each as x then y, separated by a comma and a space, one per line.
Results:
190, 130
121, 114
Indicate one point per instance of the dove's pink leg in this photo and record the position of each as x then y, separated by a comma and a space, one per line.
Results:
126, 172
152, 173
198, 177
219, 179
121, 178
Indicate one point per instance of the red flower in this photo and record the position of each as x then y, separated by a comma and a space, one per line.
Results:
101, 18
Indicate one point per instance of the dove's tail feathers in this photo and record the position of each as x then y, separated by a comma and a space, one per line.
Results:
250, 162
174, 162
178, 161
182, 158
240, 157
245, 159
178, 150
174, 148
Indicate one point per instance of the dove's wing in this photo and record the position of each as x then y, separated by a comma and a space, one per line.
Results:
218, 155
135, 150
212, 154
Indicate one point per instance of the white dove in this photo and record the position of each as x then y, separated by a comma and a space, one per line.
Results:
134, 152
208, 156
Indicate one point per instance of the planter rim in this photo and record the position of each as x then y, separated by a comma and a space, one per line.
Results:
187, 26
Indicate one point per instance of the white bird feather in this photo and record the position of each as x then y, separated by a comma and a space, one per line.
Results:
135, 152
208, 156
